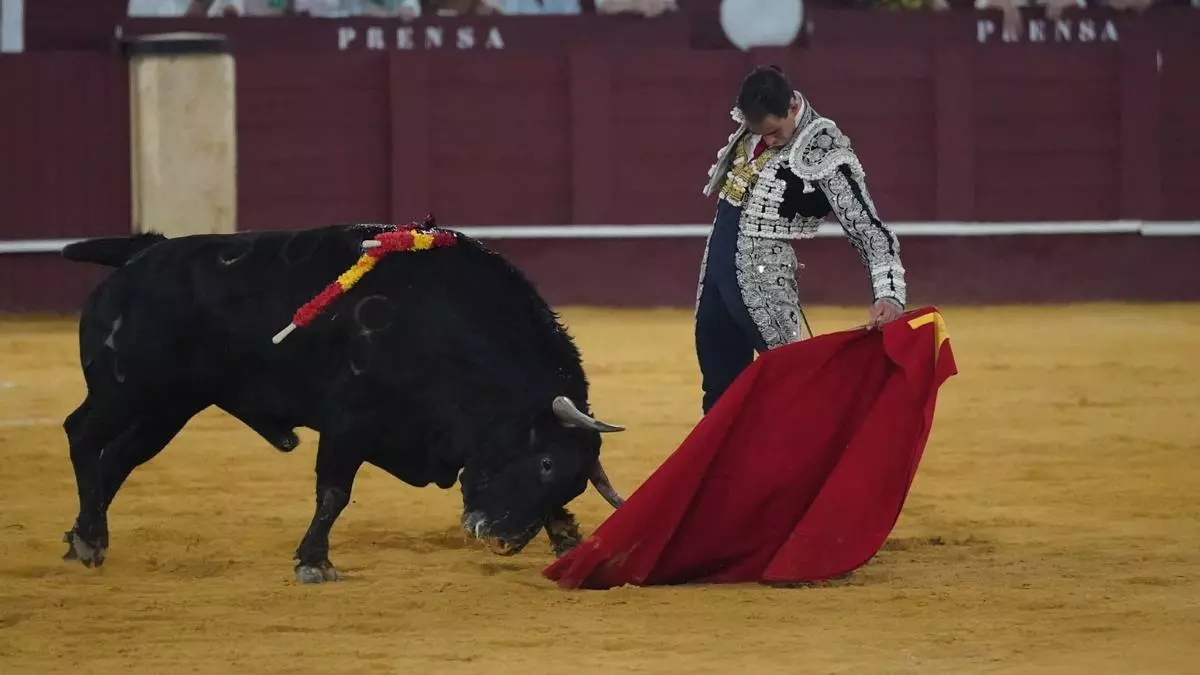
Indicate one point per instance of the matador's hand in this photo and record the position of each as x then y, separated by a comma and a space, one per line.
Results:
883, 311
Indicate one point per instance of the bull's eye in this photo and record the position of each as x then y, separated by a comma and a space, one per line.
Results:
547, 465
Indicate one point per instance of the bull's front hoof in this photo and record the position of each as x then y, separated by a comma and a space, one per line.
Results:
316, 574
70, 554
564, 534
78, 549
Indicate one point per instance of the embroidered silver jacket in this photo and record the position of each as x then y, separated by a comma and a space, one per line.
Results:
819, 154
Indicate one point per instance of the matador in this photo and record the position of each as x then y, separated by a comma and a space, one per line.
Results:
782, 172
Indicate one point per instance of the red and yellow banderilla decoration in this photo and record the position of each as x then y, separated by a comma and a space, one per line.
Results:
406, 239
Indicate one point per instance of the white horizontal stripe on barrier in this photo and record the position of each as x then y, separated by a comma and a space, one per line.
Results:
930, 229
34, 245
1171, 229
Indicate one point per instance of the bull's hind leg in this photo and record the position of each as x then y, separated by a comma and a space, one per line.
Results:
100, 478
89, 428
338, 460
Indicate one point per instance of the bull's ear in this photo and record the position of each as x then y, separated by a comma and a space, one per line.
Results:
570, 415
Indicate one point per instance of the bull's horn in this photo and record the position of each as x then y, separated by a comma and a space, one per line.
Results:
604, 487
571, 416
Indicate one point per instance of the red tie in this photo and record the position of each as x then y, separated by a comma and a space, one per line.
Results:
758, 149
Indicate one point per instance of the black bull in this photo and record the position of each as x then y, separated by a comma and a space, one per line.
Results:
441, 366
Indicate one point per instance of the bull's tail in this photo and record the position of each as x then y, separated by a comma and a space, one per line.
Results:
110, 251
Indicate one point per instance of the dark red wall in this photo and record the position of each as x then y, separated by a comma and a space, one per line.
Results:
64, 146
533, 138
949, 133
947, 129
1179, 132
64, 168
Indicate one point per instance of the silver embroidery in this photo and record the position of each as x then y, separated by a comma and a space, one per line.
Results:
797, 228
760, 216
819, 149
877, 245
766, 275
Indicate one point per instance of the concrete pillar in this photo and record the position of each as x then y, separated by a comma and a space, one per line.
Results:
12, 26
183, 134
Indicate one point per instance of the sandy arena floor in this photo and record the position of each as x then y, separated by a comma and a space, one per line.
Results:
1054, 527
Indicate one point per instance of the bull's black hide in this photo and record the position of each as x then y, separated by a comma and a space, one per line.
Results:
439, 366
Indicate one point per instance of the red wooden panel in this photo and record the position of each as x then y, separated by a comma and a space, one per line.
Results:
535, 70
863, 62
660, 159
311, 140
593, 136
61, 25
1139, 172
499, 139
872, 99
332, 177
64, 140
314, 211
899, 170
1085, 134
1180, 154
659, 191
271, 107
682, 68
1040, 101
899, 204
409, 139
1047, 135
1038, 64
1063, 169
304, 70
648, 102
875, 133
1040, 202
954, 133
1180, 137
62, 285
1039, 187
287, 142
883, 98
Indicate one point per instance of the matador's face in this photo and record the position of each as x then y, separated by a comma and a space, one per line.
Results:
777, 130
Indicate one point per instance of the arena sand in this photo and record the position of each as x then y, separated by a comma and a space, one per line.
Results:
1054, 527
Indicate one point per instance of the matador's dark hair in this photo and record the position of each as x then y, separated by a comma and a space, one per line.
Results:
765, 91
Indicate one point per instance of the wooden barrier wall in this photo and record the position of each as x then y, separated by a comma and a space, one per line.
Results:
626, 137
947, 131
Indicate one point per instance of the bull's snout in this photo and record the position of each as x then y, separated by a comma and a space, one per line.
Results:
475, 524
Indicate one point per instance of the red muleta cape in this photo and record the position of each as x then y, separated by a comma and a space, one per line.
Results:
797, 474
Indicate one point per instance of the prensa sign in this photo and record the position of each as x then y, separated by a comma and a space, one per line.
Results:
1042, 30
408, 38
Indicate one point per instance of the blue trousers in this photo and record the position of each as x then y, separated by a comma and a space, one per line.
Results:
726, 336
